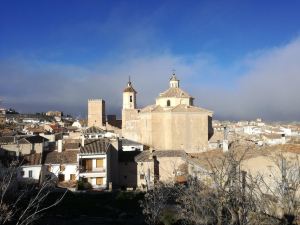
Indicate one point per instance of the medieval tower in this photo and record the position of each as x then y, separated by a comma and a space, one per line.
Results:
96, 113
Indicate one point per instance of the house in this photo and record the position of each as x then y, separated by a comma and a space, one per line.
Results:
274, 139
31, 167
94, 133
127, 169
98, 163
64, 165
163, 165
31, 120
24, 144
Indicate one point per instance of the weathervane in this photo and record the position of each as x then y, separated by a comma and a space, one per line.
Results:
173, 70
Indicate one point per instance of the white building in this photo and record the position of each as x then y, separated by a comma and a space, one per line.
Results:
98, 163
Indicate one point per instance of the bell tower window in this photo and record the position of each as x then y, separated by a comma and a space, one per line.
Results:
130, 98
168, 103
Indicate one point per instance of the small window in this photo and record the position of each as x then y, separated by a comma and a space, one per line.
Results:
99, 163
72, 177
130, 98
142, 176
99, 180
168, 103
30, 173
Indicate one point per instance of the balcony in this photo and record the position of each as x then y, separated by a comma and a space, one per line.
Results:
91, 170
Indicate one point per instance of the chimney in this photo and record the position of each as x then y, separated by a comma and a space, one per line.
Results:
225, 145
82, 141
59, 145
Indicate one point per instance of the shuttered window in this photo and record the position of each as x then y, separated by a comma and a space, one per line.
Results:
99, 180
99, 163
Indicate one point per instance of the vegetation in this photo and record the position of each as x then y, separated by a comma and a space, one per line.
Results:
23, 203
225, 194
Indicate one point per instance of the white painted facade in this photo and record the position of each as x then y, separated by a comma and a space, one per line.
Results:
31, 172
96, 172
68, 170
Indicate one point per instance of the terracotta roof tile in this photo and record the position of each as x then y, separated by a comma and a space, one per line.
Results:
174, 92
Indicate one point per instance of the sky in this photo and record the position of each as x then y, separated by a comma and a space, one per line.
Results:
240, 59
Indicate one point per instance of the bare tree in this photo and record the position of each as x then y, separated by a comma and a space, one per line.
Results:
280, 193
23, 203
155, 202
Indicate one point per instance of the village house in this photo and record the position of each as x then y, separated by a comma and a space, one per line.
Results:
164, 166
274, 139
98, 163
24, 145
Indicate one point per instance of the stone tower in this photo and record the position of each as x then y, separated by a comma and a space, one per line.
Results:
129, 97
96, 113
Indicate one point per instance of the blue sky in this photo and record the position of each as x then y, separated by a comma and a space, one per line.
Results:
213, 45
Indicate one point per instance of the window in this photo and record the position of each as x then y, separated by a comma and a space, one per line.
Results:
99, 180
72, 177
130, 98
99, 163
142, 176
30, 173
168, 103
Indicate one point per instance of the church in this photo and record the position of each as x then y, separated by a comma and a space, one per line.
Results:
172, 123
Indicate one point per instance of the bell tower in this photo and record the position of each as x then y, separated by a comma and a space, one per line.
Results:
129, 97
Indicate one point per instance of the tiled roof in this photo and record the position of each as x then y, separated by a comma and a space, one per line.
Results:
174, 92
94, 130
129, 89
178, 108
188, 108
8, 139
127, 142
272, 136
32, 159
96, 146
60, 157
68, 146
146, 156
33, 139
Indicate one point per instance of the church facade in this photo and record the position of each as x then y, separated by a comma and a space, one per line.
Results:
172, 123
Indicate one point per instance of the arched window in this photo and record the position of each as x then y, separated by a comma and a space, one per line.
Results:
130, 98
168, 103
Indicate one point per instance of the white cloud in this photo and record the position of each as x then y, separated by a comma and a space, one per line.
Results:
268, 89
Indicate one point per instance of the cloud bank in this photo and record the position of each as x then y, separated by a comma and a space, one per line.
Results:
262, 84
